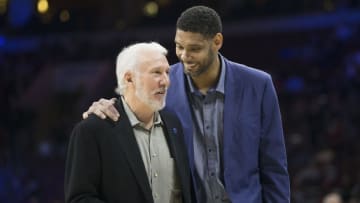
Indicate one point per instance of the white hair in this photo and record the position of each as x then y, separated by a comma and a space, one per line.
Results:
128, 59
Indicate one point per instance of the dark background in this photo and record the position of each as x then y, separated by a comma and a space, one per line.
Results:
54, 64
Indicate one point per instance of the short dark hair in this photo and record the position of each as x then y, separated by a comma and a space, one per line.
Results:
200, 19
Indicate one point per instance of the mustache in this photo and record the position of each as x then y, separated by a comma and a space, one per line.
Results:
161, 90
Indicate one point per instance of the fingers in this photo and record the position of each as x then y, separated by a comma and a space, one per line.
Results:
108, 108
103, 108
99, 113
96, 108
85, 115
112, 113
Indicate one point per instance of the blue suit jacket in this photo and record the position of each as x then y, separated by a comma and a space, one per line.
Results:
255, 165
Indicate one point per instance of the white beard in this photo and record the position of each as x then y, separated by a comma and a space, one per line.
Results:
155, 105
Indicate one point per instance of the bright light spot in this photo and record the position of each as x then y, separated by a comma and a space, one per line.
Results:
151, 9
42, 6
64, 16
3, 6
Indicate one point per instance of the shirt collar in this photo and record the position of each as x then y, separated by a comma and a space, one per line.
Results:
132, 117
220, 86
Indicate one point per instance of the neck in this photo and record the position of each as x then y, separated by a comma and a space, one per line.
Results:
208, 79
142, 112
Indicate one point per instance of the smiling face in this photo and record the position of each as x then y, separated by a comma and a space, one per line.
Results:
196, 52
151, 80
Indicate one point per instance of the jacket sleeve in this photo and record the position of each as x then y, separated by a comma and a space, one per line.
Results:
82, 171
273, 162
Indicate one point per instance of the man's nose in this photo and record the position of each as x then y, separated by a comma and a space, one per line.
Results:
165, 80
184, 55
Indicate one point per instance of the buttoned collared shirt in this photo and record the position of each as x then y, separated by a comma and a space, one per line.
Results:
208, 134
155, 153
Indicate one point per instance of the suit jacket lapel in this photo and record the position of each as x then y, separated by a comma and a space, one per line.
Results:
233, 96
172, 136
177, 99
128, 143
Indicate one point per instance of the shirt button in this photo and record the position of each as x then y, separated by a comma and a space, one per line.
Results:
155, 175
154, 155
155, 195
212, 173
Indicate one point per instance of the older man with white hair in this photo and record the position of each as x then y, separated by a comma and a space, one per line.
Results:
141, 158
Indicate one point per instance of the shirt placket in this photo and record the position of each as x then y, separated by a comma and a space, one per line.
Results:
210, 146
154, 163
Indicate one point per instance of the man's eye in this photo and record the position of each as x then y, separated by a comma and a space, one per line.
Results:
195, 49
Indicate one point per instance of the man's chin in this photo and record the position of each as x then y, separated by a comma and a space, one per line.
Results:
161, 106
158, 106
191, 74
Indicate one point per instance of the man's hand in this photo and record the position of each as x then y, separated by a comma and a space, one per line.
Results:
103, 108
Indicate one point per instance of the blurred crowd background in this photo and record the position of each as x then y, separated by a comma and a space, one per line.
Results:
58, 56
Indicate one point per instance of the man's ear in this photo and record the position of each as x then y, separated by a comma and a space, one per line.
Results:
128, 77
218, 40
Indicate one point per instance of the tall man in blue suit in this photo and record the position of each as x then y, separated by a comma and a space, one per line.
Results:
230, 116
